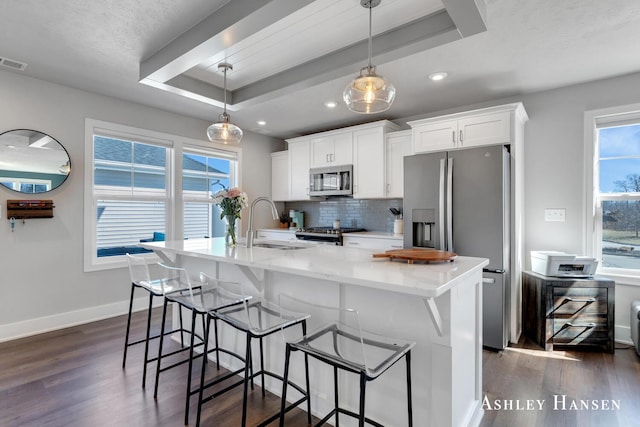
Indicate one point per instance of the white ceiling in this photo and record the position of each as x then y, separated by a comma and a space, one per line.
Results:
290, 56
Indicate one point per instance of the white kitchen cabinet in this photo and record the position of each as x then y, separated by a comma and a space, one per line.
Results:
369, 160
462, 130
332, 149
299, 170
377, 243
398, 145
280, 176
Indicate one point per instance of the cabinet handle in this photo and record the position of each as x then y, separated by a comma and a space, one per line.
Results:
460, 136
453, 136
580, 325
326, 158
353, 243
585, 300
397, 247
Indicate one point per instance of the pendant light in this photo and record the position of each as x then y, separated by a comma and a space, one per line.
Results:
369, 93
224, 131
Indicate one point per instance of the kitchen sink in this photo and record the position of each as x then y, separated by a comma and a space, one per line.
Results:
278, 246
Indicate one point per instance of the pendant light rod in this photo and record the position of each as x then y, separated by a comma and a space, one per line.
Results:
224, 66
370, 38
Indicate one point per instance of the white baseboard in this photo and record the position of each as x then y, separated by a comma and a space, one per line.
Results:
623, 335
40, 325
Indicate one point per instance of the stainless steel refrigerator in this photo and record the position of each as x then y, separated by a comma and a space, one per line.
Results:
459, 201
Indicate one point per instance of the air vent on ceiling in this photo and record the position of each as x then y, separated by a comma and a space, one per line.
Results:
12, 64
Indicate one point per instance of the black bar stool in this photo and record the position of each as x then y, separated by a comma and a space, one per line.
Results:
257, 318
335, 338
141, 279
199, 298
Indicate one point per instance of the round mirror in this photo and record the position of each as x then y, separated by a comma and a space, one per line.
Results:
32, 161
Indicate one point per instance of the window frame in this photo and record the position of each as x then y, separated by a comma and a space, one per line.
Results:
593, 120
174, 204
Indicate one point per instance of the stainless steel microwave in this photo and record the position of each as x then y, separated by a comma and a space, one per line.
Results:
331, 181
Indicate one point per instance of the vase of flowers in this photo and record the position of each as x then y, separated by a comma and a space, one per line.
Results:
231, 202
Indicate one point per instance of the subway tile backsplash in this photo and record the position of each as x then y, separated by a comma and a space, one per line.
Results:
373, 215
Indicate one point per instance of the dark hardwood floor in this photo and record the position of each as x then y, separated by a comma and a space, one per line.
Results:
73, 377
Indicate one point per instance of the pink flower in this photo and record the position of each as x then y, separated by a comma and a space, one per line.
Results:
234, 192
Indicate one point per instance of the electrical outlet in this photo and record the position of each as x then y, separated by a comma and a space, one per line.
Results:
556, 215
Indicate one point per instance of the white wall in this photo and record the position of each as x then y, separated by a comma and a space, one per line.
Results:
554, 173
42, 283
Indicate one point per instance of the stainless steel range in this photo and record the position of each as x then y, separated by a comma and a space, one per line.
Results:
325, 234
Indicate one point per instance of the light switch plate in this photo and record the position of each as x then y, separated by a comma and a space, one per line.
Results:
557, 215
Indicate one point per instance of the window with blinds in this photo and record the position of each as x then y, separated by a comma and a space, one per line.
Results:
143, 186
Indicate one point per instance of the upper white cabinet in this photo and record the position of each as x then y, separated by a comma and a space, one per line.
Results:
363, 146
280, 176
299, 170
463, 130
332, 149
370, 160
398, 145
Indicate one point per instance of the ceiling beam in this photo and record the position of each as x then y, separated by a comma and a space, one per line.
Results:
233, 22
470, 16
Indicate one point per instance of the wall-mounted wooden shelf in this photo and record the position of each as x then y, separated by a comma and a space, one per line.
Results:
25, 209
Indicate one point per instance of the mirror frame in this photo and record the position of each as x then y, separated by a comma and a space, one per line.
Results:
27, 171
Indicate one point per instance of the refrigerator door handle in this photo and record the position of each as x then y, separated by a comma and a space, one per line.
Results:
441, 220
450, 204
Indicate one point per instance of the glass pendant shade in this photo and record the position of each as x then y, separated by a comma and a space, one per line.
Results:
224, 131
369, 93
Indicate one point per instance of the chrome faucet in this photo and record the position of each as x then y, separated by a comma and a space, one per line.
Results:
250, 232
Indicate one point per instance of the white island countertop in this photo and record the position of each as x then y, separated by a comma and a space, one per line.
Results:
335, 263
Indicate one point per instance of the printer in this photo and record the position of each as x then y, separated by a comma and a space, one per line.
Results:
561, 264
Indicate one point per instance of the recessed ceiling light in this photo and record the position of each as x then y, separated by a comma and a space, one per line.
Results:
437, 76
331, 104
261, 122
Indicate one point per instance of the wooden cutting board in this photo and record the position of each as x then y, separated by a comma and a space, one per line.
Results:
424, 255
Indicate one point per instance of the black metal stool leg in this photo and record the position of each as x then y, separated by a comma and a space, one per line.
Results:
262, 367
336, 399
193, 335
164, 321
246, 381
306, 374
146, 343
283, 398
126, 337
215, 331
363, 385
181, 327
409, 404
202, 373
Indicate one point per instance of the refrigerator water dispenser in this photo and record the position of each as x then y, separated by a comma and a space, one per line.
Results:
424, 222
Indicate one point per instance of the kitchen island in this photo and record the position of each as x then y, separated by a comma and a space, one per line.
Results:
437, 305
